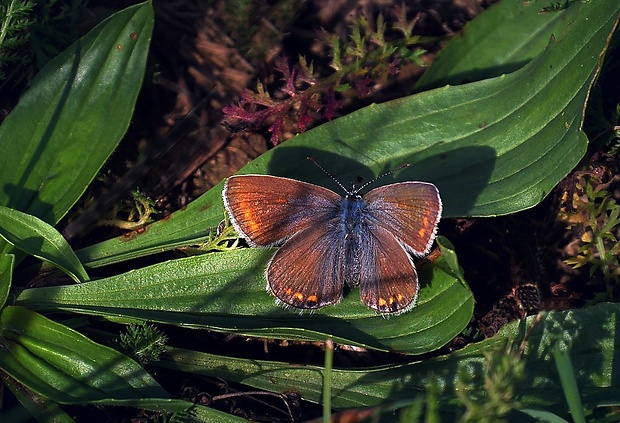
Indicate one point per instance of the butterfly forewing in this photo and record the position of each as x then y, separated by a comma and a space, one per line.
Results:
268, 209
408, 210
389, 282
308, 271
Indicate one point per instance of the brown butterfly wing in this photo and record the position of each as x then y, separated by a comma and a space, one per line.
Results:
388, 279
266, 210
409, 211
309, 271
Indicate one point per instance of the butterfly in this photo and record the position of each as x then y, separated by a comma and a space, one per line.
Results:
328, 240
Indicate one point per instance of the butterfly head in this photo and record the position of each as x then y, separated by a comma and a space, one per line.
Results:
354, 192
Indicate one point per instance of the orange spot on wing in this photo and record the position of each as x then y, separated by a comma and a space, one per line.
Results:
244, 211
424, 229
253, 225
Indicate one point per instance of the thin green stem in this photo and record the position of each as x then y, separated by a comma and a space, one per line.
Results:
327, 381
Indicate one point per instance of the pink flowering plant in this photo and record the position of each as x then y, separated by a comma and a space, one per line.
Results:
365, 60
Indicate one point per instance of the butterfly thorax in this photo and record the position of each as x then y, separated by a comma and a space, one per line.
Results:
353, 226
352, 216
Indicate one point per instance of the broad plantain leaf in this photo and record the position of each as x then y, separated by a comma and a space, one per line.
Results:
73, 116
226, 292
35, 237
62, 365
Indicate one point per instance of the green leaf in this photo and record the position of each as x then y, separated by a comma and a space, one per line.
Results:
35, 237
73, 116
570, 387
40, 357
41, 408
543, 416
6, 276
62, 364
489, 47
589, 336
226, 292
492, 147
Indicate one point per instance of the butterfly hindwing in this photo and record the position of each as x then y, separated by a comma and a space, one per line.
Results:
408, 210
388, 280
308, 271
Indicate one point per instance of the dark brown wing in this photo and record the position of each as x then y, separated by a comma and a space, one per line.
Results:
265, 210
408, 210
309, 271
388, 280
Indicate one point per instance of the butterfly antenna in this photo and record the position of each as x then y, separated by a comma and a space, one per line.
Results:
355, 188
389, 172
327, 173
